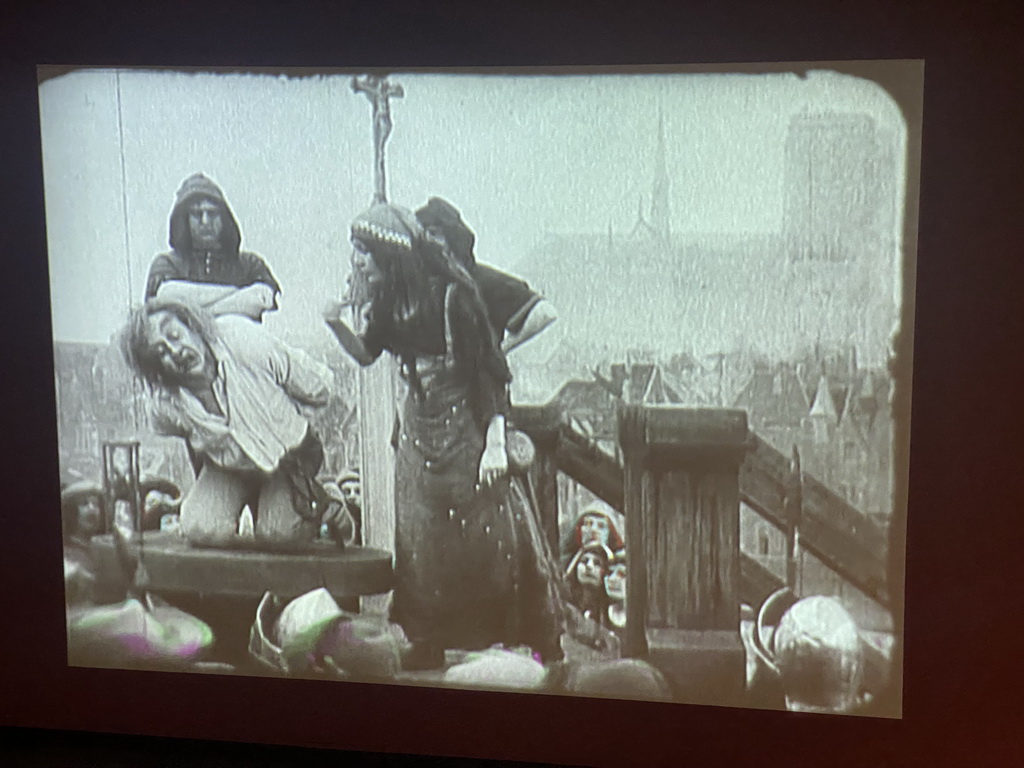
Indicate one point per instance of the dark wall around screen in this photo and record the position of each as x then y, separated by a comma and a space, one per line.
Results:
963, 665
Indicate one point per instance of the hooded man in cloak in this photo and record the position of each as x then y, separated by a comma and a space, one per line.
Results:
205, 266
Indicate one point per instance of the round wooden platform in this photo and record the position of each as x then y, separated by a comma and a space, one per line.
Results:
175, 567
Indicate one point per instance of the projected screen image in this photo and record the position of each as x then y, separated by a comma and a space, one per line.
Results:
587, 384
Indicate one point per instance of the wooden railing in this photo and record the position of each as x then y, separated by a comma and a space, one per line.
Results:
812, 518
844, 539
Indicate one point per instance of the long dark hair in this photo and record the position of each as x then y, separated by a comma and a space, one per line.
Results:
399, 307
578, 594
485, 349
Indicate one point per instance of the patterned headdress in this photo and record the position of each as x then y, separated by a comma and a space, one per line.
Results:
389, 226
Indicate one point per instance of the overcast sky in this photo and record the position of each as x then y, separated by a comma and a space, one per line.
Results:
520, 156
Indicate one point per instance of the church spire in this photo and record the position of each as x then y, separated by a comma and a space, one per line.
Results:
660, 193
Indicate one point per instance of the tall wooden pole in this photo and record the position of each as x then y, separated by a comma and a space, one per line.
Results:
378, 385
793, 511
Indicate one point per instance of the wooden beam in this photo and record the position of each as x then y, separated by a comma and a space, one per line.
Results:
756, 582
175, 567
846, 540
589, 466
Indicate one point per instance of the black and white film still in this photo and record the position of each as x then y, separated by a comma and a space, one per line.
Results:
581, 384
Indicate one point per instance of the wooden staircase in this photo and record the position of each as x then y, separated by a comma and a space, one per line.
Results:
841, 537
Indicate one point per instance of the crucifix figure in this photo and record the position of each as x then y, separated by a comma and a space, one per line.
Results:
378, 89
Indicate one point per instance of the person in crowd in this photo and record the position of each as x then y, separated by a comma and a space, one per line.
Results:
517, 312
617, 678
161, 500
819, 655
313, 636
337, 525
615, 593
103, 628
514, 669
597, 522
498, 668
352, 493
206, 265
234, 393
585, 574
142, 632
471, 566
82, 518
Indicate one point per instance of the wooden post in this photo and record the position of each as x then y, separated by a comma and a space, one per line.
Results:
682, 530
378, 385
377, 408
794, 510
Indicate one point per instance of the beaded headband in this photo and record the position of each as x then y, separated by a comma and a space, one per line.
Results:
373, 231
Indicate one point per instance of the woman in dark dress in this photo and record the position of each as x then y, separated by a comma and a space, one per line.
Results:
472, 568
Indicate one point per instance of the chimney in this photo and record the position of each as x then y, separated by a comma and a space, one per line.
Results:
618, 375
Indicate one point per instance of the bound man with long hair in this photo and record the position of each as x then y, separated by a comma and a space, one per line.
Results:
234, 393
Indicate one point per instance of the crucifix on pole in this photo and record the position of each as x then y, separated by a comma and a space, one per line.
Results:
379, 90
378, 384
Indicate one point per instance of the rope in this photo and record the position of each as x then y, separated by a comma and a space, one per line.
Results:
141, 576
127, 238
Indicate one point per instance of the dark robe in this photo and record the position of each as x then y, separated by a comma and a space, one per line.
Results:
472, 567
226, 265
508, 299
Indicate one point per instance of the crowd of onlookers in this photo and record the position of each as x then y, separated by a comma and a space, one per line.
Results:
594, 557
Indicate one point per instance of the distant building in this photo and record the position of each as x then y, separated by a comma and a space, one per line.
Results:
95, 404
775, 399
840, 187
839, 421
